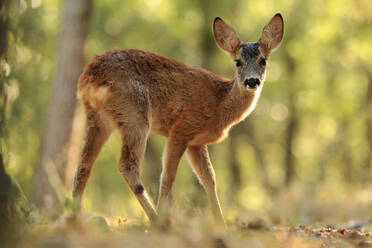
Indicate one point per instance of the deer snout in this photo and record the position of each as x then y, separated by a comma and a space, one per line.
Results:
252, 82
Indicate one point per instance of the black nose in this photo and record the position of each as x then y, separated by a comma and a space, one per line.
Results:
252, 82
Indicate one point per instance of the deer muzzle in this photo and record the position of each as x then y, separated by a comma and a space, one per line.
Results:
252, 82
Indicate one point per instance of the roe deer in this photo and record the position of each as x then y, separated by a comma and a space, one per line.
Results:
140, 92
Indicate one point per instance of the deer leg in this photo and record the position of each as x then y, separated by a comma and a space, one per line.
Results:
172, 154
97, 133
133, 148
202, 166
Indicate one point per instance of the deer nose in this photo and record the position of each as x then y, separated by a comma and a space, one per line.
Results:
252, 82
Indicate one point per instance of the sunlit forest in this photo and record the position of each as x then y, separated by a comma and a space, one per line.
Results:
295, 173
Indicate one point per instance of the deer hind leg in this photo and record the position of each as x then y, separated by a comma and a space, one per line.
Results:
98, 131
134, 139
202, 166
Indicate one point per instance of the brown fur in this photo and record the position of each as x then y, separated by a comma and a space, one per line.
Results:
140, 92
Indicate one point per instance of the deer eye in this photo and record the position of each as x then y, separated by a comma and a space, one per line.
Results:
238, 63
263, 62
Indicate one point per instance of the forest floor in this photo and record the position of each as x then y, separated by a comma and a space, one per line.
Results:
94, 232
89, 230
291, 222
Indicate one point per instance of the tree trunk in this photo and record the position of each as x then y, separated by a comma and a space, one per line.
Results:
234, 168
289, 160
76, 18
290, 135
207, 41
260, 157
368, 124
7, 209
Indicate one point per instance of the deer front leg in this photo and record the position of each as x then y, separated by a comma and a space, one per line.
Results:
202, 166
173, 152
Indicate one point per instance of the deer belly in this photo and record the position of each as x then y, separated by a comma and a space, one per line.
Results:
209, 137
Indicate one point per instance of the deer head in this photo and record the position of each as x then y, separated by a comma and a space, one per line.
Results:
251, 57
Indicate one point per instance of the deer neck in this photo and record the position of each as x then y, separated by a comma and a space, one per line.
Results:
237, 105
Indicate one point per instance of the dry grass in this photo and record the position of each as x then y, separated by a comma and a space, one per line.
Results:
185, 231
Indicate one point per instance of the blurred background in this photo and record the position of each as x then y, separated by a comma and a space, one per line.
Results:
304, 153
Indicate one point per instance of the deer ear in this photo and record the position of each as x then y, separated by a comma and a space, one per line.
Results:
272, 34
225, 37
